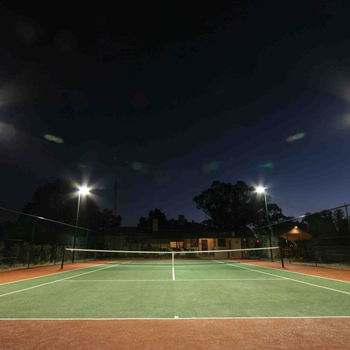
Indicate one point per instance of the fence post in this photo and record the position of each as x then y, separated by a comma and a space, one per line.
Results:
347, 216
87, 238
271, 234
281, 253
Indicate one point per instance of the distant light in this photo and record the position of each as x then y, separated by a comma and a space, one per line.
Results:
260, 189
84, 190
296, 227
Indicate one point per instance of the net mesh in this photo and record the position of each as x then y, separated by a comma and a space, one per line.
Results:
170, 258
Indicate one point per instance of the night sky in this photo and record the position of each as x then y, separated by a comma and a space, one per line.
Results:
170, 98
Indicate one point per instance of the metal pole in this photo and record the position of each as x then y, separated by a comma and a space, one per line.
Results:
63, 256
76, 228
281, 252
87, 239
288, 249
268, 223
347, 216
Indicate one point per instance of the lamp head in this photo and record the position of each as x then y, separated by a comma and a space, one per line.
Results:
260, 189
84, 190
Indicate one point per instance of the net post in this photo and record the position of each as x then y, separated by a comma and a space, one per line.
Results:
172, 259
63, 256
281, 252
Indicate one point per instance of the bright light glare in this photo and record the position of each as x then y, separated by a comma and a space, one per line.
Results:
84, 190
260, 189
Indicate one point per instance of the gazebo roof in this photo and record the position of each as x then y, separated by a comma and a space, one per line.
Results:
296, 233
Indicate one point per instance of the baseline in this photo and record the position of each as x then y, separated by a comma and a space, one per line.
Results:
175, 319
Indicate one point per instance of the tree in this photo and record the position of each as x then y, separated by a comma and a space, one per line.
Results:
54, 201
328, 227
153, 214
58, 201
226, 205
108, 221
236, 207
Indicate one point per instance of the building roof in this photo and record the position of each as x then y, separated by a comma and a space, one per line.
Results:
175, 230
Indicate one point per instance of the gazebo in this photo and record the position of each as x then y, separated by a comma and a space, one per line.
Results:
295, 234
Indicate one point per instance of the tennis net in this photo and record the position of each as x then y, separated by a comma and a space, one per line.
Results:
93, 256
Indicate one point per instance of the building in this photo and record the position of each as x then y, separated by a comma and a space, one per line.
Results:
181, 235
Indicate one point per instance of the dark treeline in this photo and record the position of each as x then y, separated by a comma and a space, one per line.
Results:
228, 207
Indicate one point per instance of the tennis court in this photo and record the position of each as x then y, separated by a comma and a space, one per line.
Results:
160, 289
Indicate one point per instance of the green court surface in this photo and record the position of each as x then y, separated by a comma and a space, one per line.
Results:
221, 289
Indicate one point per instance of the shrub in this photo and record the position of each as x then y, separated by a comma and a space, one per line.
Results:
59, 253
24, 253
45, 254
14, 254
35, 253
2, 248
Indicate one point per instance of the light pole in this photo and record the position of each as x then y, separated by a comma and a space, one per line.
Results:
262, 190
82, 191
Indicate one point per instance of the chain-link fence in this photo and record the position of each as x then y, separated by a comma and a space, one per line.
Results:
27, 240
321, 239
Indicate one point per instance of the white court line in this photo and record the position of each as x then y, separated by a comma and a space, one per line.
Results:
298, 273
173, 268
44, 284
291, 279
117, 281
50, 274
174, 319
181, 280
147, 265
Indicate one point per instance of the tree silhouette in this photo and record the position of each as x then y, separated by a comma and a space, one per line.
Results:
236, 207
153, 214
59, 200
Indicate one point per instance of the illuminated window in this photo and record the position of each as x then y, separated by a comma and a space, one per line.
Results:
176, 244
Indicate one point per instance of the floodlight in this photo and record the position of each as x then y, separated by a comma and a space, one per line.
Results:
84, 190
260, 189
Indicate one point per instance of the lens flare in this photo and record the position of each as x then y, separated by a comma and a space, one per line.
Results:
211, 166
53, 138
296, 137
268, 165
